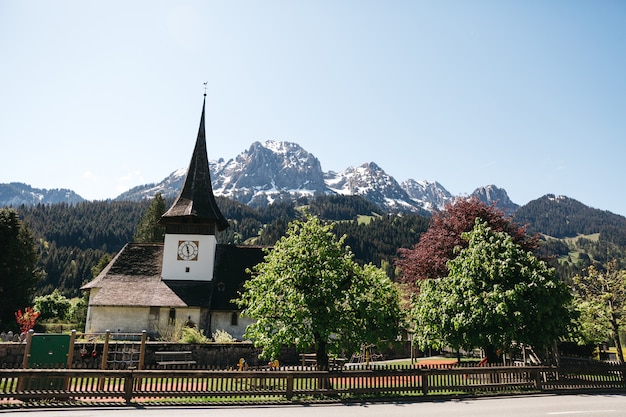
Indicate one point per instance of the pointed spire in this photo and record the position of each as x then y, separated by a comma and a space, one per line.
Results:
196, 203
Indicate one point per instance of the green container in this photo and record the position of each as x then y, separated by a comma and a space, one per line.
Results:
48, 351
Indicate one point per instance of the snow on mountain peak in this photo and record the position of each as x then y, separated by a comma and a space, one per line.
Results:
276, 171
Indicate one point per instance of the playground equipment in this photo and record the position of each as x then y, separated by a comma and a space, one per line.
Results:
114, 350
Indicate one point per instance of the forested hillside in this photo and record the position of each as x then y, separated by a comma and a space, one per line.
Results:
73, 238
576, 235
563, 217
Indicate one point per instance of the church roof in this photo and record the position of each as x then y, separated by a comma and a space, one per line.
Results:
133, 278
195, 202
231, 263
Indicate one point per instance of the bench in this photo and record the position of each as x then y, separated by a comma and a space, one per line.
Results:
310, 359
174, 358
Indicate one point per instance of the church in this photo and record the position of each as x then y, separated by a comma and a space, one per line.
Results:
189, 277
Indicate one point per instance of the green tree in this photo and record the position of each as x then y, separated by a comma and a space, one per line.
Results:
102, 263
53, 306
149, 229
495, 293
78, 312
309, 292
601, 300
428, 258
18, 266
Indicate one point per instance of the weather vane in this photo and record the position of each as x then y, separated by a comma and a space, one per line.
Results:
205, 83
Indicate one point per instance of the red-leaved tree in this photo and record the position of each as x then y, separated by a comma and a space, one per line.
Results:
27, 319
428, 258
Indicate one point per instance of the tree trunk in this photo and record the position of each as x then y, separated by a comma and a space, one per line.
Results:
618, 343
492, 354
321, 356
492, 358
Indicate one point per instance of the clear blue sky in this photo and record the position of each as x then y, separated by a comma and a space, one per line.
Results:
101, 96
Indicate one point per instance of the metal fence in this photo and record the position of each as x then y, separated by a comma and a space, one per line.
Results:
19, 386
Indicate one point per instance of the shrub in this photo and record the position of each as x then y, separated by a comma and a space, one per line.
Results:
222, 336
171, 332
53, 306
193, 335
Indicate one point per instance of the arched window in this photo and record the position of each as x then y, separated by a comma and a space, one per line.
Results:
172, 314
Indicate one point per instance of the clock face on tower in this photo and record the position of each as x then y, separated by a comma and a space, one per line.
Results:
187, 250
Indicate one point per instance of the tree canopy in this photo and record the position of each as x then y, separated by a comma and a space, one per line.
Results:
428, 258
309, 292
601, 299
18, 267
496, 292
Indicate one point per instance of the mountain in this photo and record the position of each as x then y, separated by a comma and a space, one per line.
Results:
428, 194
491, 194
373, 184
169, 188
283, 171
17, 193
268, 172
563, 217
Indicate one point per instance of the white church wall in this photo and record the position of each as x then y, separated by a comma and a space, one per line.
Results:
117, 319
128, 319
223, 320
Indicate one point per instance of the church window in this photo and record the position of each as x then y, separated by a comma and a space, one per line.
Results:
234, 319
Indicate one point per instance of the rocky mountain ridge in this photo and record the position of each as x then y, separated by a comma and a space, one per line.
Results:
284, 171
278, 171
17, 194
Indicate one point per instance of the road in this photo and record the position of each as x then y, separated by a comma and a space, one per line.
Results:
609, 405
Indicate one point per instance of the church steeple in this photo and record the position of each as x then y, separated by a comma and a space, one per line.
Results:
193, 221
195, 204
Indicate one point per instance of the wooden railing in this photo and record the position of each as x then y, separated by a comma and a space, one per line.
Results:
21, 385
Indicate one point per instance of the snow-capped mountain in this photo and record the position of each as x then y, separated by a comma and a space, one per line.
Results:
269, 172
372, 183
169, 187
430, 195
277, 171
17, 193
283, 171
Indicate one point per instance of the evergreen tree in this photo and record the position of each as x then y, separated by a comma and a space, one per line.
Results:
149, 229
18, 267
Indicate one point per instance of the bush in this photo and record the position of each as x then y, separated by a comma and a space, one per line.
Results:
193, 335
78, 313
53, 306
172, 332
222, 336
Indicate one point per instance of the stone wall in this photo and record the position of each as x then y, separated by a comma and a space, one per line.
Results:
206, 355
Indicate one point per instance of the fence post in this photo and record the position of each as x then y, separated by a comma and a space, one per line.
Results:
128, 386
536, 376
424, 381
105, 350
289, 392
142, 350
